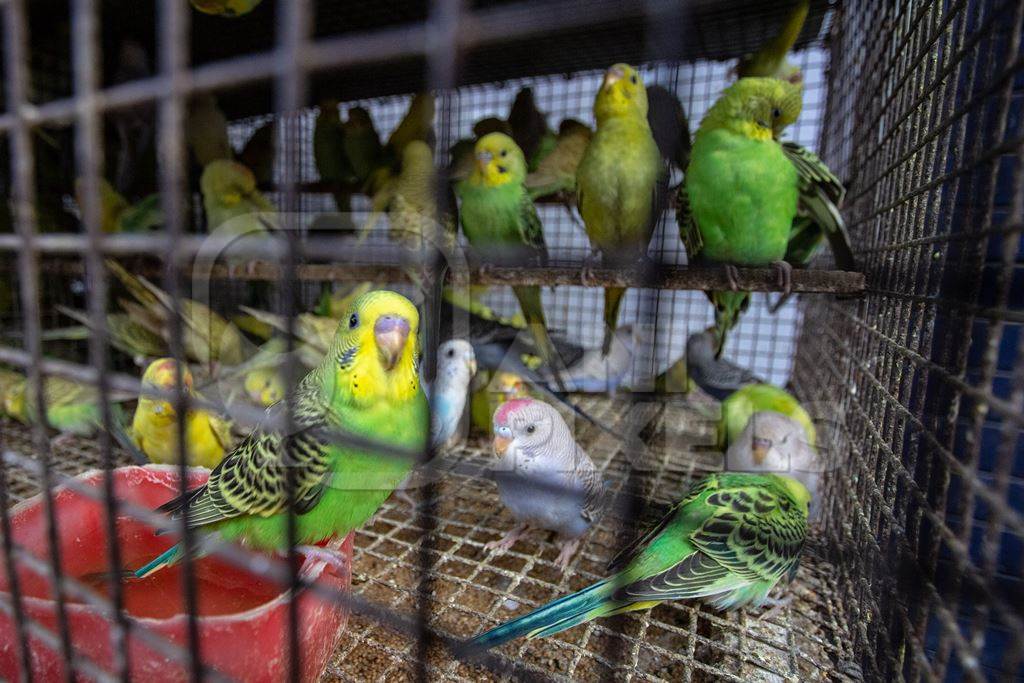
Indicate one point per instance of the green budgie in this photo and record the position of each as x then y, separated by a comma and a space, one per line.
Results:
737, 204
362, 144
329, 154
619, 180
738, 406
501, 222
71, 407
367, 385
729, 541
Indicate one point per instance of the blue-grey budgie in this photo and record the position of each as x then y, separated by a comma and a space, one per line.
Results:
544, 477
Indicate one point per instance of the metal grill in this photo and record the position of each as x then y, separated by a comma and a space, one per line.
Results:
915, 569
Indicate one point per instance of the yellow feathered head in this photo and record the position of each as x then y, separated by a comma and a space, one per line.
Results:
264, 386
162, 375
622, 93
226, 182
14, 401
375, 353
758, 108
499, 161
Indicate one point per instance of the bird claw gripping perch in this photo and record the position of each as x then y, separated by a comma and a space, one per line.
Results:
732, 274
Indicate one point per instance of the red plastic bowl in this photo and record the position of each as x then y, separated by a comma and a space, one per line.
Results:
243, 618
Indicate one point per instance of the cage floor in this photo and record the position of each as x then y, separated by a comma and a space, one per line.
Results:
473, 588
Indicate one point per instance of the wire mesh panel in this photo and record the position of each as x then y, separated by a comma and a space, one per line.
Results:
925, 373
912, 567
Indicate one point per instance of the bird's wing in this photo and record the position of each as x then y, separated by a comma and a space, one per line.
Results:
821, 193
629, 553
529, 224
688, 230
751, 536
251, 479
593, 485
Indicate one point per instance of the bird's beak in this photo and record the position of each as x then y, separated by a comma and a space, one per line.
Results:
390, 332
472, 367
501, 444
483, 158
759, 449
613, 76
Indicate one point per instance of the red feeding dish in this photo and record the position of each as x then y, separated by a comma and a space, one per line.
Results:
243, 618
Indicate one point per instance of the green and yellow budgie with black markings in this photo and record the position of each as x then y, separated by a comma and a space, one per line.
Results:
729, 541
501, 222
368, 386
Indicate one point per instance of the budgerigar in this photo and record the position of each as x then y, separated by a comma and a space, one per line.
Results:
501, 223
597, 371
207, 337
410, 198
544, 477
362, 144
716, 376
118, 215
329, 154
154, 428
556, 172
417, 124
367, 386
124, 333
772, 442
456, 366
769, 60
315, 333
732, 539
739, 198
72, 407
619, 180
755, 398
232, 202
9, 381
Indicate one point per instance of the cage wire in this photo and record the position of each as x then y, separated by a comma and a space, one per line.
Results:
915, 562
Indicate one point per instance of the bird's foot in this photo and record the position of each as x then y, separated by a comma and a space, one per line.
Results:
777, 605
506, 541
783, 276
592, 260
332, 558
568, 549
732, 274
485, 269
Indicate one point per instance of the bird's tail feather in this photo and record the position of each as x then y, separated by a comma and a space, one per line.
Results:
612, 301
164, 559
533, 311
551, 618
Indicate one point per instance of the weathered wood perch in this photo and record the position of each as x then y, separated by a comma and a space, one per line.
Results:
667, 277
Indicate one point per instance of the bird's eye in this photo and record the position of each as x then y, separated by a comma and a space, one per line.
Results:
632, 79
504, 152
776, 112
451, 353
353, 322
531, 429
